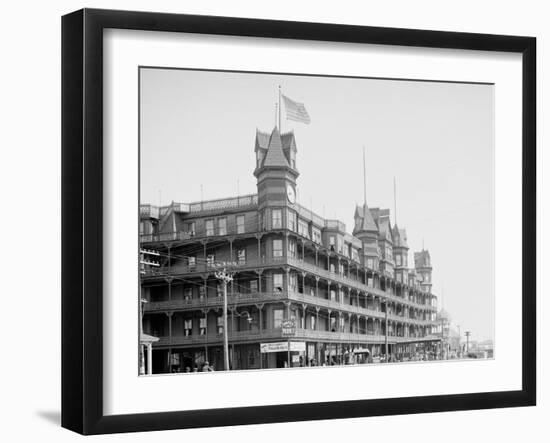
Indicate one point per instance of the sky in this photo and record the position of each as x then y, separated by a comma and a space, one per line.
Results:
436, 139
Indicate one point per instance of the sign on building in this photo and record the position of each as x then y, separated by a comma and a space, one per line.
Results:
288, 328
283, 346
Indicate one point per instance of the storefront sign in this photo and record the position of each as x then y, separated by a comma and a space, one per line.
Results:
283, 346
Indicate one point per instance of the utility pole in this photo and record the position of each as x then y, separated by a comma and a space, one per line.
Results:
467, 334
459, 340
225, 278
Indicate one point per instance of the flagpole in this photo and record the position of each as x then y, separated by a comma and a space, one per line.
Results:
364, 178
279, 109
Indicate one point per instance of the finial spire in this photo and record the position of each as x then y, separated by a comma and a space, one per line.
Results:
394, 201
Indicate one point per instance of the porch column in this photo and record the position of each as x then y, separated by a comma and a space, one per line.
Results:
149, 358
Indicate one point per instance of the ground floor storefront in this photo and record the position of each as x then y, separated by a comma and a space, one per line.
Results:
288, 353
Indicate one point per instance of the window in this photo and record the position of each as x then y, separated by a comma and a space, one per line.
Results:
222, 226
219, 290
355, 255
277, 318
276, 219
291, 220
278, 282
303, 228
191, 228
316, 235
188, 326
188, 294
253, 285
292, 248
219, 324
333, 324
370, 263
210, 258
332, 268
389, 253
240, 224
277, 248
202, 292
398, 259
209, 228
312, 321
333, 295
192, 262
241, 256
202, 326
332, 242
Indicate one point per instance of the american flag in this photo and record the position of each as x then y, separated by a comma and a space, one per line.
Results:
296, 111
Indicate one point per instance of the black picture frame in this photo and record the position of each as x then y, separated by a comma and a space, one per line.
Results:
82, 231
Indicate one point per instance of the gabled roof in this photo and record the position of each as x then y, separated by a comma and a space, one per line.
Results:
364, 222
382, 218
262, 141
399, 237
288, 141
422, 259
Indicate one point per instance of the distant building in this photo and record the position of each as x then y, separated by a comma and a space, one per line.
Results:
345, 294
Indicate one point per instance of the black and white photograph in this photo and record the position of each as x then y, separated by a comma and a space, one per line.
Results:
303, 221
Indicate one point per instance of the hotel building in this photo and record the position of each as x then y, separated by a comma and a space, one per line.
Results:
305, 291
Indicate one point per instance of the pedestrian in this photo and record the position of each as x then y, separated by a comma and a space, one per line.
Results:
207, 367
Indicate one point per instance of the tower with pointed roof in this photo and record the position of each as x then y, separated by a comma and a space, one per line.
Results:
400, 254
423, 265
276, 171
366, 230
385, 240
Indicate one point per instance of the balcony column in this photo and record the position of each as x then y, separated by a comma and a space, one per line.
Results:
205, 280
316, 256
304, 318
204, 250
258, 237
303, 250
169, 315
287, 276
328, 289
169, 281
304, 282
316, 286
339, 295
317, 309
287, 304
259, 272
205, 311
260, 316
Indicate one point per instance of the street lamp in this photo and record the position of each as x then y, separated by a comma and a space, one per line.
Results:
225, 278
